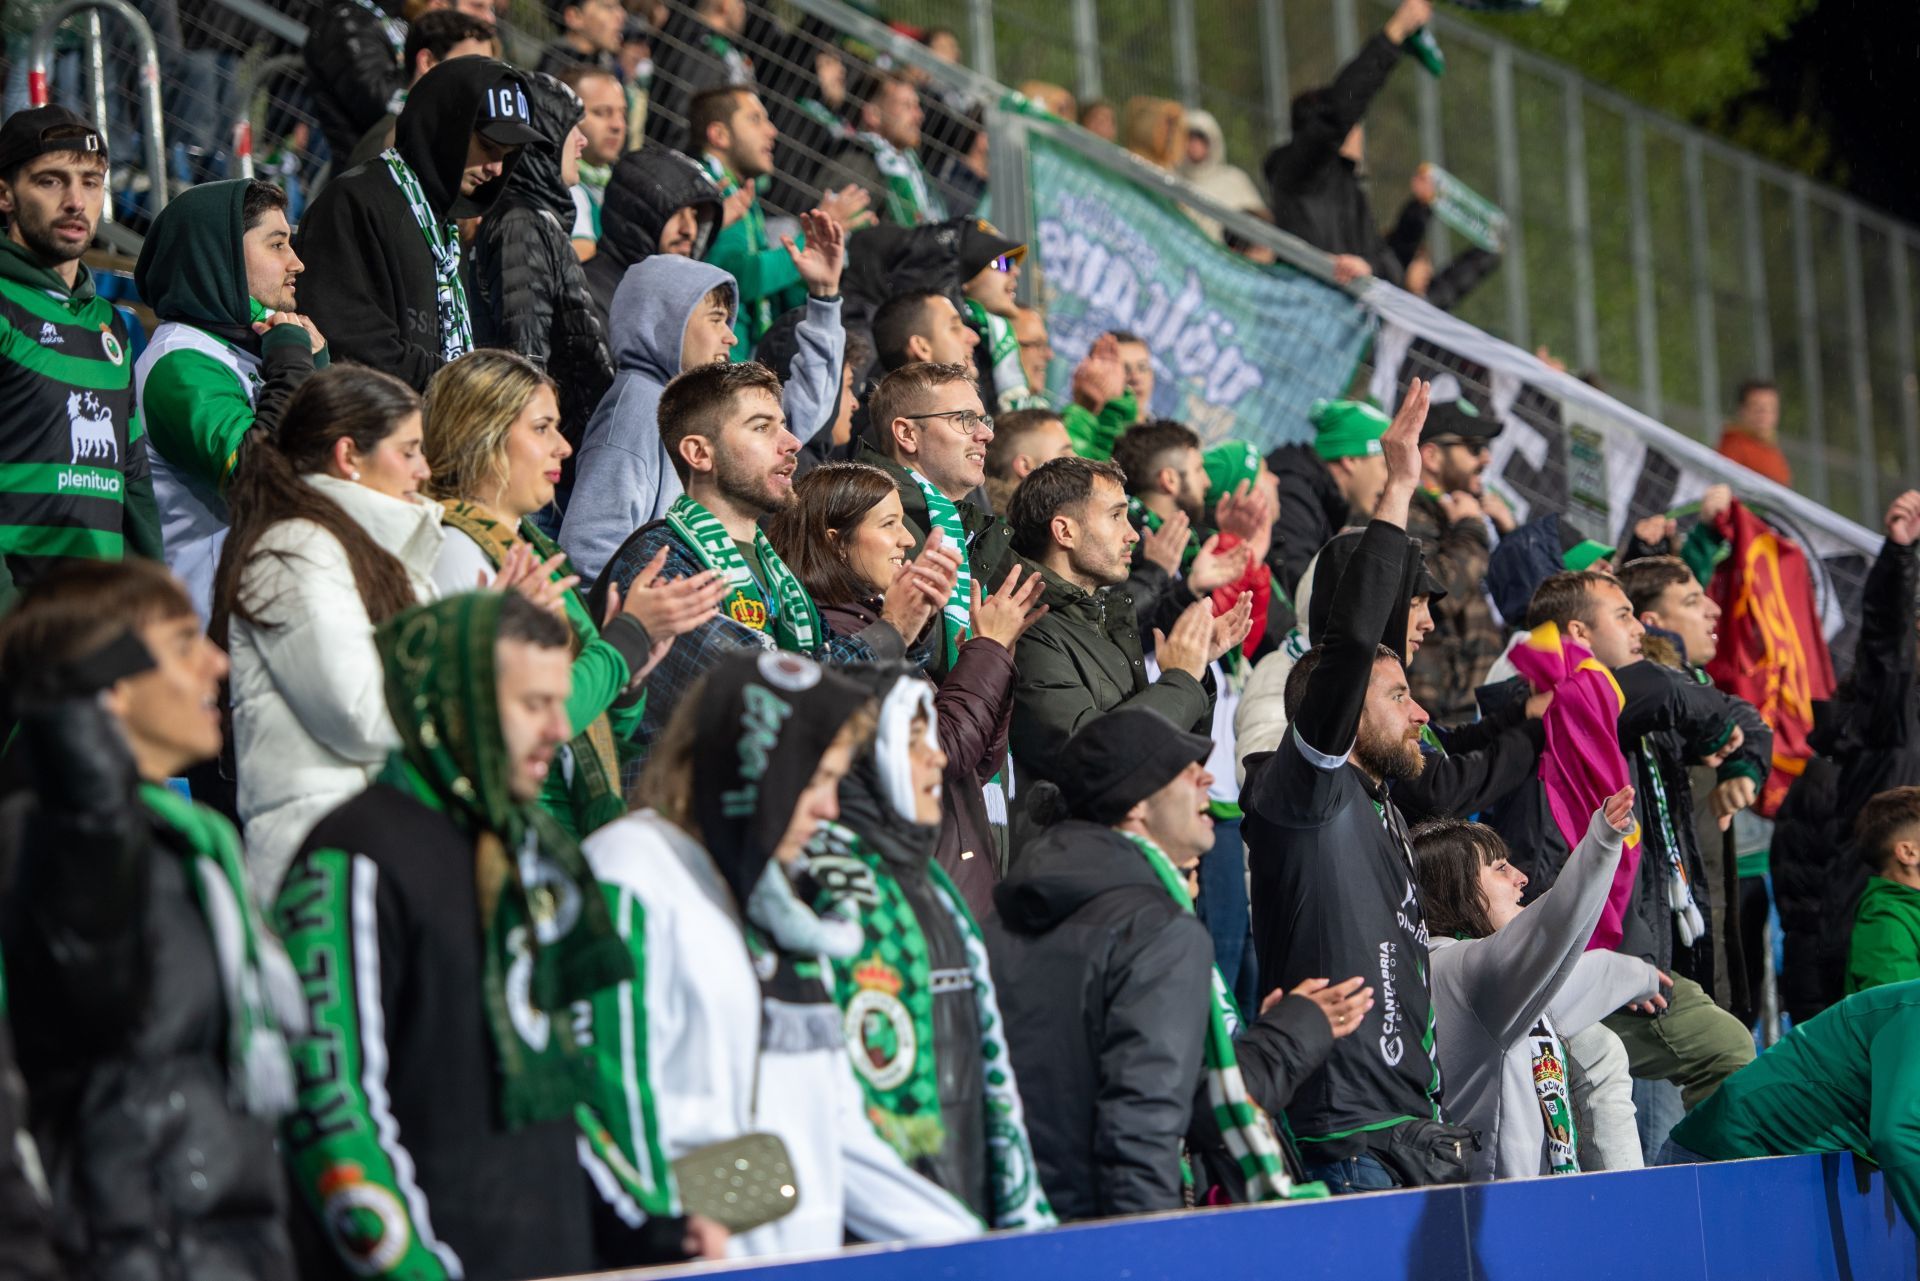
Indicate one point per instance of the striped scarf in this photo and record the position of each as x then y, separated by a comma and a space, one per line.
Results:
1246, 1129
958, 611
910, 201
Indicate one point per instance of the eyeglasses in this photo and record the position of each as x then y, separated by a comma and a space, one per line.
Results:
965, 420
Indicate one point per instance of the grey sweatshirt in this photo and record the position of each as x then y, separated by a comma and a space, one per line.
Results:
1504, 1005
622, 478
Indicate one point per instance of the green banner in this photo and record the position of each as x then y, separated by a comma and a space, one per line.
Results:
1239, 348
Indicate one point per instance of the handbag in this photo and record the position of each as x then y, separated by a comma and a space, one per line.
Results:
1424, 1153
740, 1183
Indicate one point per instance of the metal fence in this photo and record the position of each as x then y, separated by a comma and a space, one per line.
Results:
1664, 261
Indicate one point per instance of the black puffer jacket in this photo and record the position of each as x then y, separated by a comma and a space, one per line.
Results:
530, 294
1809, 854
647, 187
121, 1021
1312, 511
353, 66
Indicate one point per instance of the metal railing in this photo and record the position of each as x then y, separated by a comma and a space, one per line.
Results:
1651, 254
153, 131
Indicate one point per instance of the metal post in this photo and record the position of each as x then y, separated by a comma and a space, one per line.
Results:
1346, 30
1273, 63
1901, 282
96, 44
980, 37
1186, 53
1857, 371
1007, 143
1586, 317
1753, 262
1807, 312
1506, 140
1433, 149
40, 52
1086, 50
1646, 314
1694, 167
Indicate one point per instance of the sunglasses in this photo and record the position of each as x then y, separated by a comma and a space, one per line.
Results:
1474, 447
1005, 262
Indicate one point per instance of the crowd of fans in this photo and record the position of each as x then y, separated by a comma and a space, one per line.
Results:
559, 721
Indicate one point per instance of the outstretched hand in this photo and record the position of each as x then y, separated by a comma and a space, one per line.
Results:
1903, 519
1618, 810
825, 255
1401, 447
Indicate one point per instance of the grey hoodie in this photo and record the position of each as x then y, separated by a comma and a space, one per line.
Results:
1490, 995
622, 477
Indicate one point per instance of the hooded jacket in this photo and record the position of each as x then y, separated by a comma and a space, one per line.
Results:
1317, 193
530, 294
74, 476
205, 378
373, 286
622, 477
1225, 183
647, 188
1312, 510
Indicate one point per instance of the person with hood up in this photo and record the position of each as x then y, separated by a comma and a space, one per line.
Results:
444, 925
922, 1022
1125, 1036
77, 485
390, 285
1327, 484
1203, 162
1511, 987
736, 1031
530, 293
152, 1006
672, 314
218, 269
1314, 179
658, 201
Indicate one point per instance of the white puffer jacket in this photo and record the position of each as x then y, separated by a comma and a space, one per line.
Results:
310, 723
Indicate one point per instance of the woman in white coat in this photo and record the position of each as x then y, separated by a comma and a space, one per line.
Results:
1509, 986
730, 1030
330, 536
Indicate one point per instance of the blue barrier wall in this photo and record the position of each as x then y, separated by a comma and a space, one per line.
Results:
1788, 1219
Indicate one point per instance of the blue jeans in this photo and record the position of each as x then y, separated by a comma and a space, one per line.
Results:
1223, 908
1363, 1173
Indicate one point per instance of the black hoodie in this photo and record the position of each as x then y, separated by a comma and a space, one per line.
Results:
529, 294
647, 187
370, 283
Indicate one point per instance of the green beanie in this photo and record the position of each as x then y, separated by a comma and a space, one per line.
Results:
1346, 428
1582, 554
1228, 463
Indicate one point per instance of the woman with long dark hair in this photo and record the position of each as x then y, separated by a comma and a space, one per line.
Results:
330, 537
846, 539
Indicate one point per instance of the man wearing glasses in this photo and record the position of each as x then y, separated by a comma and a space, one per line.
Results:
1458, 522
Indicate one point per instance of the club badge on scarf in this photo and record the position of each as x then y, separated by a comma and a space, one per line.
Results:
1548, 1055
795, 621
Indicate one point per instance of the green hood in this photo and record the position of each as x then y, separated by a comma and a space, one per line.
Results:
193, 267
17, 263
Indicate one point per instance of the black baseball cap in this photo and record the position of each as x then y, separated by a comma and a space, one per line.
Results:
981, 243
1459, 420
505, 117
39, 131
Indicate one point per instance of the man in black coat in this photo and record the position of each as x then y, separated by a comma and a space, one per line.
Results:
1110, 1092
658, 201
1314, 178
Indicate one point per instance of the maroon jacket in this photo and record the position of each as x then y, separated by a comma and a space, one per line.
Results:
975, 706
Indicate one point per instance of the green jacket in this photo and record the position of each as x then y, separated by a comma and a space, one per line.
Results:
1093, 435
74, 480
1847, 1080
1886, 936
769, 282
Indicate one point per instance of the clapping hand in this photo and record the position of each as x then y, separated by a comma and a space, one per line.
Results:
522, 571
825, 255
1006, 615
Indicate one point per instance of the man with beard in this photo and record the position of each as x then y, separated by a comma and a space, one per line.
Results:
1084, 658
78, 486
657, 201
1333, 887
391, 288
1458, 521
727, 438
884, 157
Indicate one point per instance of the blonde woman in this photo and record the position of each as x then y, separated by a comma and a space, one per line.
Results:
494, 445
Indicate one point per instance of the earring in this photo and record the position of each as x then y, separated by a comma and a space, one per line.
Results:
353, 475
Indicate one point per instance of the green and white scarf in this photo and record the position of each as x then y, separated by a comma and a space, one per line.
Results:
910, 201
443, 243
885, 994
957, 615
262, 991
755, 315
1547, 1054
1010, 390
1246, 1129
795, 620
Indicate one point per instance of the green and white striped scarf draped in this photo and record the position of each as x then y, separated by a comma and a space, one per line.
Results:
904, 1102
1010, 389
910, 201
1246, 1129
443, 244
791, 613
957, 615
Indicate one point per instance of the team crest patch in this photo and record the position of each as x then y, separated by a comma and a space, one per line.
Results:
111, 345
748, 612
364, 1219
879, 1028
